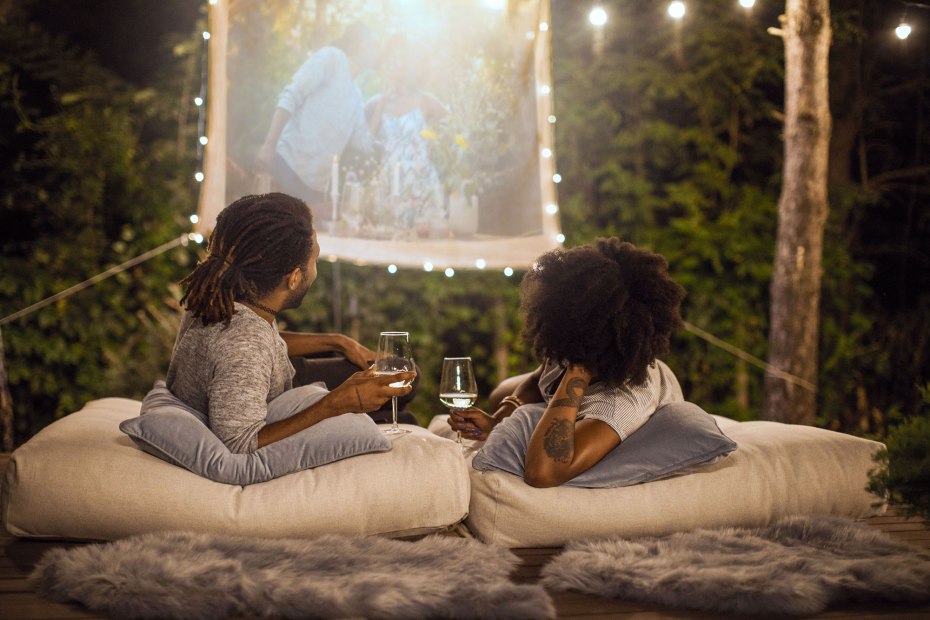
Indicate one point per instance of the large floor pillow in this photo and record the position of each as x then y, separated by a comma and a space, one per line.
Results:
778, 470
81, 478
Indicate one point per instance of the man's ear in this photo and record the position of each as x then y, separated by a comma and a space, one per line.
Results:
293, 279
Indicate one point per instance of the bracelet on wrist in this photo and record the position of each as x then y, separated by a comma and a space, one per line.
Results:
512, 400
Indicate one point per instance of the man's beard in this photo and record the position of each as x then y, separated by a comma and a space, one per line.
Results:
295, 298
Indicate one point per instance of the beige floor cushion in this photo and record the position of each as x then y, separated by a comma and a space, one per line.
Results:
81, 478
778, 470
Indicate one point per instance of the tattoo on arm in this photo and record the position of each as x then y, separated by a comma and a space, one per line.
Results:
559, 441
573, 393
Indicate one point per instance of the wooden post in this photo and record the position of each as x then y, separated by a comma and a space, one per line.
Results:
6, 407
802, 213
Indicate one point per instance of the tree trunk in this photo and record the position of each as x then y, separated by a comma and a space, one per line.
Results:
802, 214
6, 408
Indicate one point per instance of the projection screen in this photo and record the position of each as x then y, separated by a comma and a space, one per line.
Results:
418, 131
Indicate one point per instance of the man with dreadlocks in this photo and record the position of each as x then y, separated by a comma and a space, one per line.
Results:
597, 317
229, 359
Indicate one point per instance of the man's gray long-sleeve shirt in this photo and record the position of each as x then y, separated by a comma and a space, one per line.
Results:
230, 373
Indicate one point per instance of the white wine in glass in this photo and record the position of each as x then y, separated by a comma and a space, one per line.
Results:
394, 356
457, 388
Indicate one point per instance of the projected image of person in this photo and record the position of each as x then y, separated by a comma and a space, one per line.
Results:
318, 115
399, 118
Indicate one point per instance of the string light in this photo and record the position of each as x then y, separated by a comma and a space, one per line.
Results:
544, 26
199, 101
551, 119
392, 269
508, 271
544, 89
676, 9
480, 263
449, 272
546, 153
556, 178
903, 30
195, 218
597, 16
427, 266
552, 208
747, 4
560, 238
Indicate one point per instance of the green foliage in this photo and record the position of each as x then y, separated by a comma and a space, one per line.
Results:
903, 475
687, 168
91, 178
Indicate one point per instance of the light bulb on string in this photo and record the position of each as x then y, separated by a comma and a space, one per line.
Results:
676, 9
747, 4
206, 35
198, 176
198, 101
560, 238
427, 266
508, 271
392, 269
203, 140
556, 178
597, 16
481, 263
903, 30
449, 272
194, 218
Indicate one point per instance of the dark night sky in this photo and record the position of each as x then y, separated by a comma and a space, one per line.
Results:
128, 36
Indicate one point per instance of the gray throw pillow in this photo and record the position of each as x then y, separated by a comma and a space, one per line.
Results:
678, 438
178, 434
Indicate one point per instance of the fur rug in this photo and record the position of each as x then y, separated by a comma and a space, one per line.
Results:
798, 566
184, 575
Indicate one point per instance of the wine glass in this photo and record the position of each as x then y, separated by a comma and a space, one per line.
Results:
394, 355
457, 387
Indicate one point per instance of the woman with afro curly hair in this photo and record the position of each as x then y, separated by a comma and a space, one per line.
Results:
598, 316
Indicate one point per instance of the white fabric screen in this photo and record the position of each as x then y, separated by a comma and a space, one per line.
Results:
416, 130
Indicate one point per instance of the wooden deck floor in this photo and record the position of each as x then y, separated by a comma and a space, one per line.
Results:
18, 601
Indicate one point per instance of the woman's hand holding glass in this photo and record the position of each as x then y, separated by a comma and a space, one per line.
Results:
472, 423
457, 387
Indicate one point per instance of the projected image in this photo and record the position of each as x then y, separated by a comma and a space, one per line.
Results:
395, 120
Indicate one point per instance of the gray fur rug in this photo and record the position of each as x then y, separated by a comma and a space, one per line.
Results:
797, 566
184, 575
